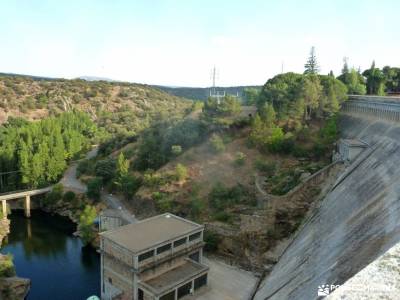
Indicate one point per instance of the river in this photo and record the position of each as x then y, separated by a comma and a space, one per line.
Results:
45, 251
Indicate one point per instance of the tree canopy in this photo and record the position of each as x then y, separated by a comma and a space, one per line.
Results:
296, 98
39, 151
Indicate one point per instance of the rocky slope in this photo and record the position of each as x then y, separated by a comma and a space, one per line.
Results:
120, 107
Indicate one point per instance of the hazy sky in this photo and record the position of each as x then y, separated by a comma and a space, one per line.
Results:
178, 42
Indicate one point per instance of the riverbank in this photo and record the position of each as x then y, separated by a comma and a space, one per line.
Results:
11, 286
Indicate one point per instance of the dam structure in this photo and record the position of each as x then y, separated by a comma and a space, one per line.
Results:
358, 220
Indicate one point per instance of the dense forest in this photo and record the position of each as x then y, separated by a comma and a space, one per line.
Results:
35, 154
372, 81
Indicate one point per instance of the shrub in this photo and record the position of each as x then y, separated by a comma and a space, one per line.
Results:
267, 167
300, 151
106, 169
181, 172
130, 185
151, 179
163, 202
55, 195
6, 266
222, 197
212, 241
275, 139
85, 167
217, 143
85, 227
240, 158
196, 207
223, 216
176, 150
69, 196
94, 188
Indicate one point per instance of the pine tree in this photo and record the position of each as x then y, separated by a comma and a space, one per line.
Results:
268, 114
57, 162
122, 166
24, 163
311, 93
311, 67
37, 170
345, 69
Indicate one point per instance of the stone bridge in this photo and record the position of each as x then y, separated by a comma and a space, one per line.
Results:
358, 220
22, 194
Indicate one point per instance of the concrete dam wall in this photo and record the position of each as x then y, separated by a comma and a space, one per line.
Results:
358, 220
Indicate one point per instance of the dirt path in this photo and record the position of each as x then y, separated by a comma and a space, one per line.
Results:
71, 182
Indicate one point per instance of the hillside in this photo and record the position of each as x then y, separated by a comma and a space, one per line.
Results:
246, 176
122, 108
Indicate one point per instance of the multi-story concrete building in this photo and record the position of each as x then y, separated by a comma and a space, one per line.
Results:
159, 258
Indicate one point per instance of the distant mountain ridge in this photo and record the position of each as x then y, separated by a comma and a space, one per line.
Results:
96, 78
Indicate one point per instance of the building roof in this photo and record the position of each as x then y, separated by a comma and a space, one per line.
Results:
174, 277
151, 232
354, 143
111, 213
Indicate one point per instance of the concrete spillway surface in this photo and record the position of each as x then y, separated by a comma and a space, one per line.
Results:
357, 221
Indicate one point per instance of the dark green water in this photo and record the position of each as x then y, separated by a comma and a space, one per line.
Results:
45, 251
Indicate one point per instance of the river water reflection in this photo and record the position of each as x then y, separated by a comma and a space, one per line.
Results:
45, 251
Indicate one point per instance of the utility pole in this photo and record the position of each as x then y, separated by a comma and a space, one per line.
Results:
214, 74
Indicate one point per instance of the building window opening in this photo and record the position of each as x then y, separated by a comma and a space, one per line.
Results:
199, 282
146, 255
140, 294
194, 236
184, 290
164, 248
169, 296
180, 242
195, 256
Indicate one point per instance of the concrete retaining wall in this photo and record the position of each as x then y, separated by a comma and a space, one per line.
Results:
358, 219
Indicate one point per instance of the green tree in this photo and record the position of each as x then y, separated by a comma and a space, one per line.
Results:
94, 188
122, 166
375, 80
38, 169
56, 164
311, 93
333, 94
130, 185
251, 95
268, 114
311, 66
86, 221
392, 79
105, 169
24, 163
355, 84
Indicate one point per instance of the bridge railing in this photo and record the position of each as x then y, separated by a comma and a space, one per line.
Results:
375, 98
23, 193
